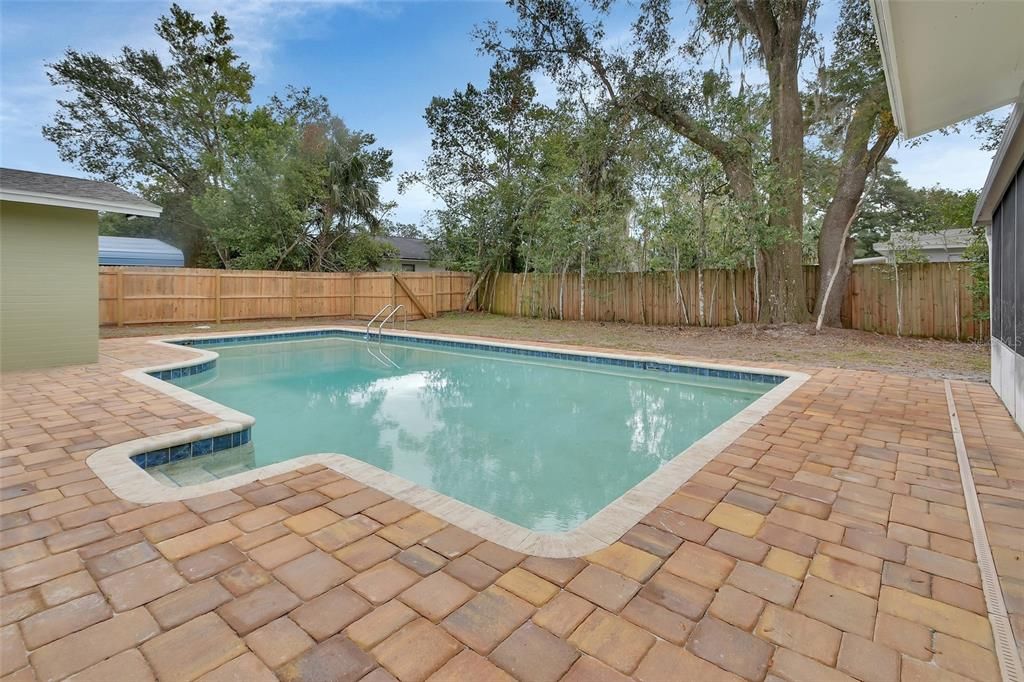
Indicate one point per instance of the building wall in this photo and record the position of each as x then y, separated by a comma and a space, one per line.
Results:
419, 265
1007, 291
49, 290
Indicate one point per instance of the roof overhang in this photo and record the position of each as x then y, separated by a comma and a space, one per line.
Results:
949, 60
149, 210
1004, 167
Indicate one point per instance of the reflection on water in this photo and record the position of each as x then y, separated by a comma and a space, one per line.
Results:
544, 444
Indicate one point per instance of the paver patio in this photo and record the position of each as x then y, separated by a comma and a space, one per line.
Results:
829, 542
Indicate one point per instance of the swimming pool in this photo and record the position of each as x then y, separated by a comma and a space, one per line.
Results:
524, 479
543, 440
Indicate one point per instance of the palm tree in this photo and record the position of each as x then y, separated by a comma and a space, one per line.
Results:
352, 191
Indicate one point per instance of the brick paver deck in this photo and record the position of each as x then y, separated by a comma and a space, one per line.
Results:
830, 542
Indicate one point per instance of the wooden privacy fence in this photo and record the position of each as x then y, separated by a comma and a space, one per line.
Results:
130, 295
936, 298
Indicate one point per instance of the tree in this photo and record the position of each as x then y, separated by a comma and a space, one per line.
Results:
852, 115
281, 185
136, 120
256, 208
555, 36
296, 194
655, 74
407, 230
482, 151
580, 199
782, 33
692, 232
347, 204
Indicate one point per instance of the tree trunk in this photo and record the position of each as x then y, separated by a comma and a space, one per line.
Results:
779, 41
899, 295
701, 320
583, 275
702, 247
494, 289
714, 291
684, 315
735, 305
519, 294
643, 303
954, 276
840, 265
860, 157
786, 294
757, 285
832, 244
833, 283
561, 291
471, 294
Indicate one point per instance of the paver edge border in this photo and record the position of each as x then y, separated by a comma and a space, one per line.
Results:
1005, 646
130, 482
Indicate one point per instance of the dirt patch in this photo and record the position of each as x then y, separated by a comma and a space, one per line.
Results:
793, 344
798, 345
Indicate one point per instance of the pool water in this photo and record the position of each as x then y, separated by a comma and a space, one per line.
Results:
539, 442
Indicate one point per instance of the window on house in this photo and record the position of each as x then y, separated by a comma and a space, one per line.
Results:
408, 267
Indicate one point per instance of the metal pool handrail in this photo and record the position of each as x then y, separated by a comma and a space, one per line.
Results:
405, 320
380, 312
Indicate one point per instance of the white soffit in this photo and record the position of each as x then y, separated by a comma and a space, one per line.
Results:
142, 208
949, 60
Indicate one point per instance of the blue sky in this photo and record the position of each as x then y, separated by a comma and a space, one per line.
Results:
378, 63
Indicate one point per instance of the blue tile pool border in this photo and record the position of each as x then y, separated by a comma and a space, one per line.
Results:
199, 448
179, 372
651, 365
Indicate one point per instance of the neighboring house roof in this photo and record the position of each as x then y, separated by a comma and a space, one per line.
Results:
410, 248
942, 243
870, 260
138, 251
948, 61
61, 190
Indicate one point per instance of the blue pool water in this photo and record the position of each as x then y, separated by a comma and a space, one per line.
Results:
539, 442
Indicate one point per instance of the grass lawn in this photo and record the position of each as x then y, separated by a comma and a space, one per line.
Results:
794, 344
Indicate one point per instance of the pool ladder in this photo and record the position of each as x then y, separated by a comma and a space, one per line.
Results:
391, 311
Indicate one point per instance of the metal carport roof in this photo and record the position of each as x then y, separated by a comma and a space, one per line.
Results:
137, 251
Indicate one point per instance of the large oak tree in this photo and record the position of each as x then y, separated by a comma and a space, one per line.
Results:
652, 74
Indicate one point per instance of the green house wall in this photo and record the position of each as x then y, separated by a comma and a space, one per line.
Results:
49, 309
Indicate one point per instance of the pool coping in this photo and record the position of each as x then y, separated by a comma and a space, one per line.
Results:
126, 479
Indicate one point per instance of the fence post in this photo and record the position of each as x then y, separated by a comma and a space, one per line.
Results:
120, 298
216, 297
433, 292
352, 295
295, 302
394, 286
